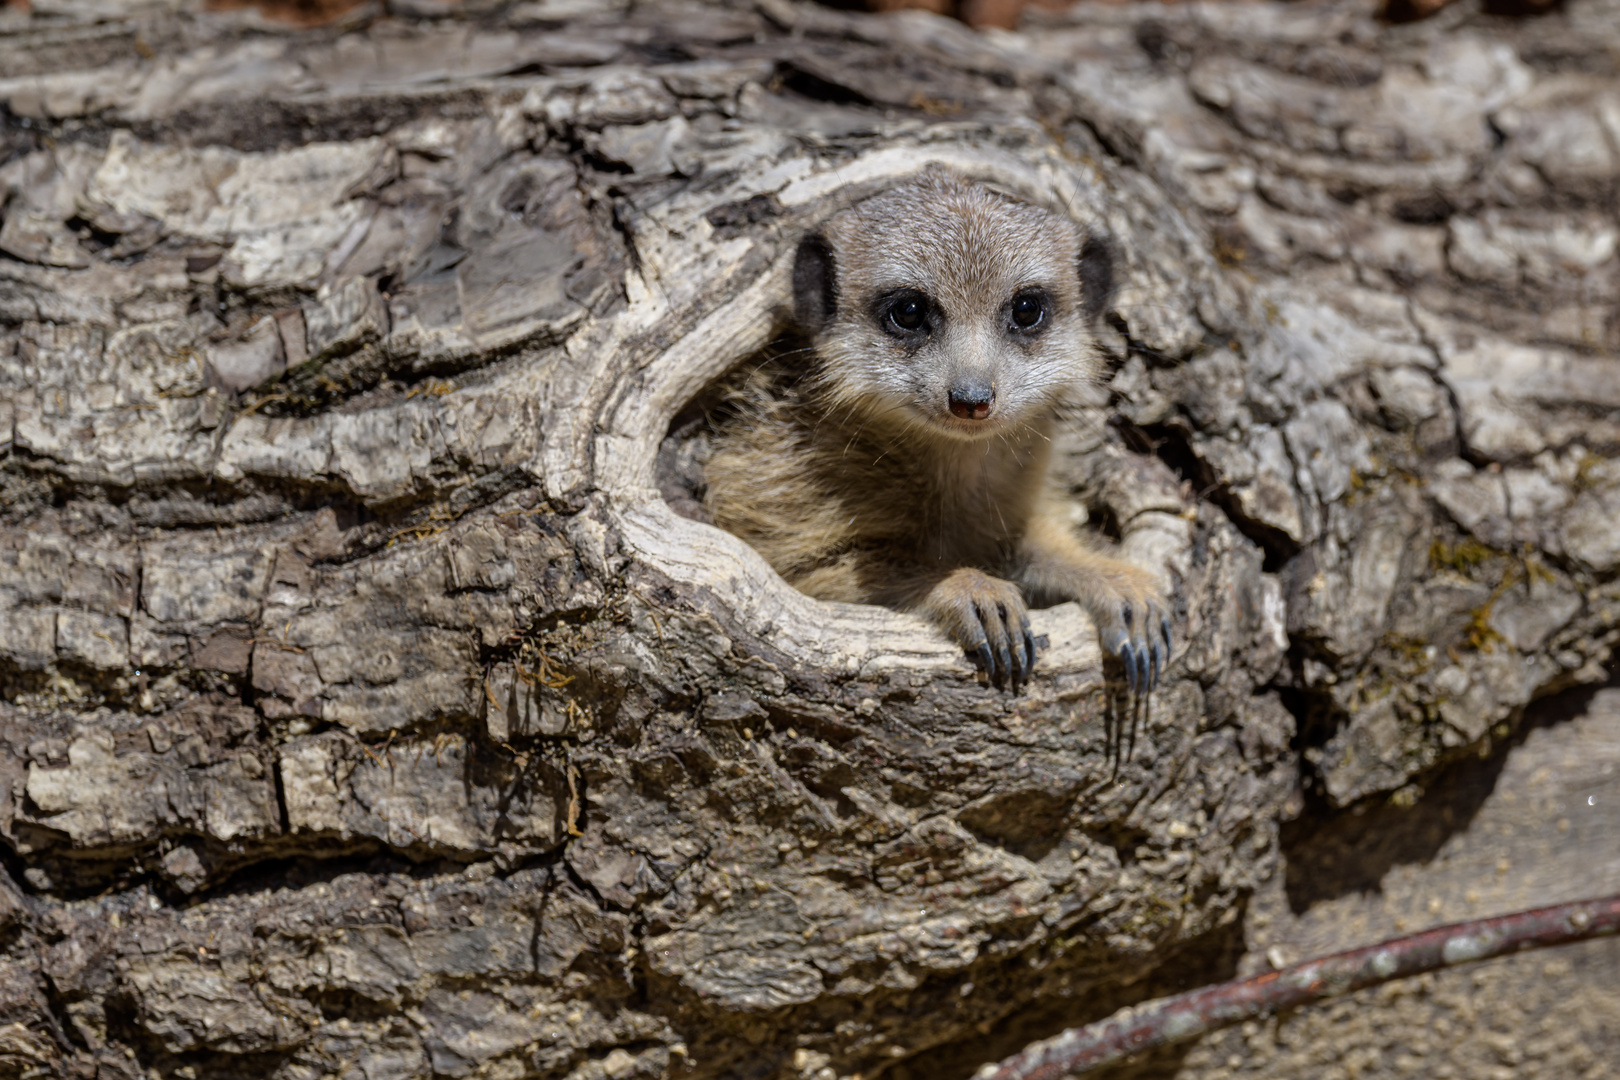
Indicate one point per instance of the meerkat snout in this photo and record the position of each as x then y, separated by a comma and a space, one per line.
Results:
971, 399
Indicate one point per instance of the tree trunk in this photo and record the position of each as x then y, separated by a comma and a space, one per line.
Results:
368, 710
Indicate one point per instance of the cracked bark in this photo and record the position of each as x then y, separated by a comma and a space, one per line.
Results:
367, 708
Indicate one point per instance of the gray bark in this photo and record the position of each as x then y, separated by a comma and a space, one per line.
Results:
367, 710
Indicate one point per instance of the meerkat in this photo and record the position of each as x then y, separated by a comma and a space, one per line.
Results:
904, 462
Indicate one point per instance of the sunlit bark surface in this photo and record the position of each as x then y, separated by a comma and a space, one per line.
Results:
367, 710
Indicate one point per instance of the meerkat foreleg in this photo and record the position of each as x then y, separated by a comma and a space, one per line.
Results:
1125, 601
985, 615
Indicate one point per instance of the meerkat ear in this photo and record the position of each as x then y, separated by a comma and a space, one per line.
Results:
815, 283
1096, 275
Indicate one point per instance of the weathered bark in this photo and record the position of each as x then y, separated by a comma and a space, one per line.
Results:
367, 710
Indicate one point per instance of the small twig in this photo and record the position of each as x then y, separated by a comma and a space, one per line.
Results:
550, 678
1185, 1016
261, 403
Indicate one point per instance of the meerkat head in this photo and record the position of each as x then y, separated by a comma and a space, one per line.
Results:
950, 308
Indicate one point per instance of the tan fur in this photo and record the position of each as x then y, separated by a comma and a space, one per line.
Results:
857, 483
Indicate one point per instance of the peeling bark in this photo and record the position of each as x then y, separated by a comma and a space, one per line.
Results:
368, 710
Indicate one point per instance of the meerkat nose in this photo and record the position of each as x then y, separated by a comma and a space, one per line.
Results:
971, 400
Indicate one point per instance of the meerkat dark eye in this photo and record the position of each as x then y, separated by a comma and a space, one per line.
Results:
1028, 310
906, 314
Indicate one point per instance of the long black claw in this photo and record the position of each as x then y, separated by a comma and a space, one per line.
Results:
1153, 668
1029, 646
1128, 656
1164, 626
986, 660
1142, 668
1007, 674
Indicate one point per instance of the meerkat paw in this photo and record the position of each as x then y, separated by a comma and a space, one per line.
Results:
1133, 623
988, 618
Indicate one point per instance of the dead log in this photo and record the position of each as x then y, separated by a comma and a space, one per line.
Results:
367, 709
